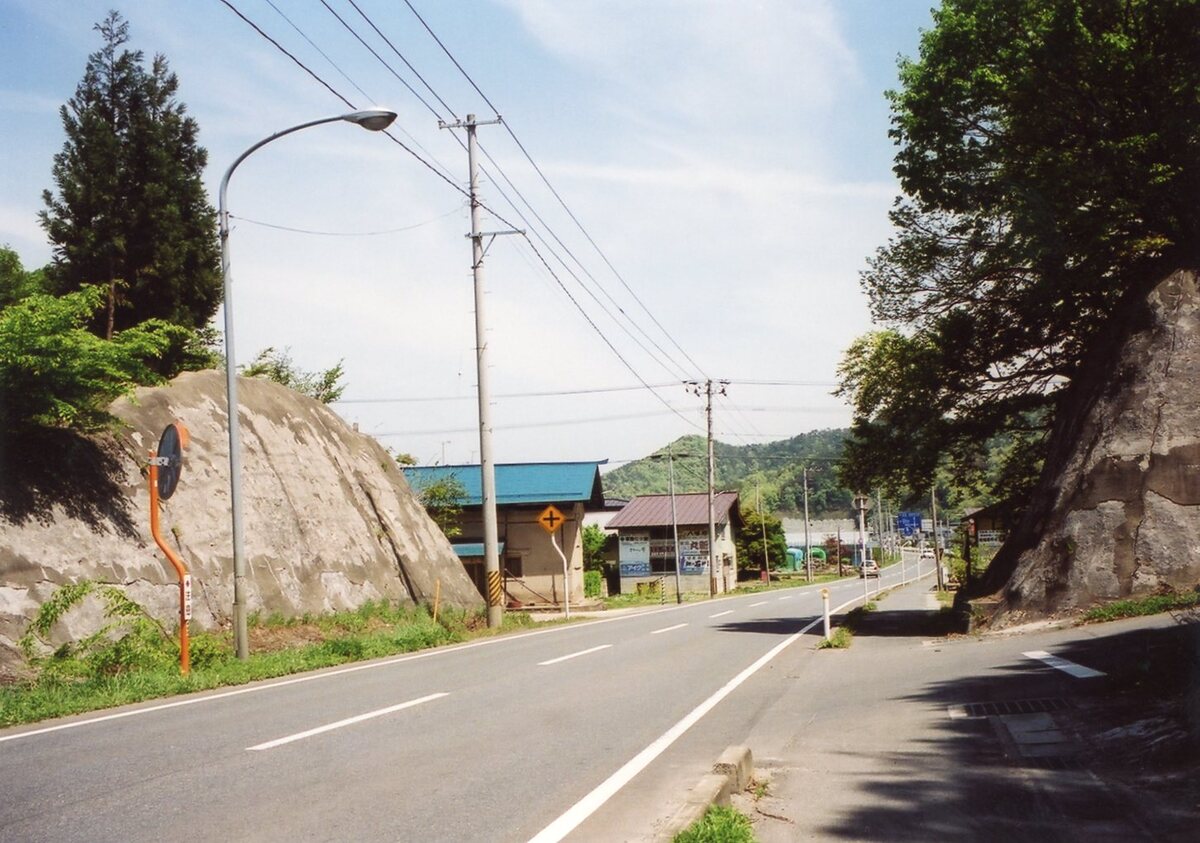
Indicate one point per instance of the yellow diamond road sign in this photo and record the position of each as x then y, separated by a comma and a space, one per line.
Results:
551, 519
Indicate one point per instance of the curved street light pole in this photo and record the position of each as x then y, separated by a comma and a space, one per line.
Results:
374, 120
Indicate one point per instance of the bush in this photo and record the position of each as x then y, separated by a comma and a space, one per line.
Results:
592, 582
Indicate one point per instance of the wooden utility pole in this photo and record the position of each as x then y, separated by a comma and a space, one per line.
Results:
487, 471
937, 550
807, 540
715, 566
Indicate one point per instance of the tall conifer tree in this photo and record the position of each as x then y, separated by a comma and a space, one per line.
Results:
130, 211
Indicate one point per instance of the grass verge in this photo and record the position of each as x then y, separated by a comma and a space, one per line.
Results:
1136, 607
720, 824
144, 665
842, 636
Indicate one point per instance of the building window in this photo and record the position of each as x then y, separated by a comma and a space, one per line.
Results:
514, 566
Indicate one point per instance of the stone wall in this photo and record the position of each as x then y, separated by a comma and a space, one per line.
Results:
1122, 511
330, 521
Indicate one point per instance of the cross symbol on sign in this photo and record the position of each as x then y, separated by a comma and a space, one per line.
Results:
551, 518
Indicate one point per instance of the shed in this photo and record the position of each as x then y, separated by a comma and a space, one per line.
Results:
646, 541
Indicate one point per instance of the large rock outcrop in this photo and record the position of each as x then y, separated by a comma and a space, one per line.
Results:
1117, 512
330, 521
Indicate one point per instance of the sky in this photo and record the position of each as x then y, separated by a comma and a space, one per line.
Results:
723, 167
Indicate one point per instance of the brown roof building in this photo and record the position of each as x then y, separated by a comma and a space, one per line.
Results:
646, 543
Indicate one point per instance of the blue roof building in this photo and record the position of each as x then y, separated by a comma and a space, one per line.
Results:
519, 484
531, 567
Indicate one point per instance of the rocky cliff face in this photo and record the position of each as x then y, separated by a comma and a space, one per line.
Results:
330, 521
1118, 511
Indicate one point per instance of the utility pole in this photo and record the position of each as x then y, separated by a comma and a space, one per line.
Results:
674, 522
807, 540
713, 562
762, 520
860, 503
839, 548
937, 550
879, 520
487, 468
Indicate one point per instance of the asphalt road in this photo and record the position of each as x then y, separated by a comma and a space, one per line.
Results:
532, 736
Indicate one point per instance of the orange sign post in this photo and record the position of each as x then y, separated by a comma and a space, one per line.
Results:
170, 458
551, 519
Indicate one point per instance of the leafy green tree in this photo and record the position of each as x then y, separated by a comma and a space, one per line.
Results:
595, 540
15, 281
278, 366
1047, 156
749, 540
54, 372
129, 210
442, 499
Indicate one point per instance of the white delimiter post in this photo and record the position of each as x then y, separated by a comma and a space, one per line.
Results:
491, 539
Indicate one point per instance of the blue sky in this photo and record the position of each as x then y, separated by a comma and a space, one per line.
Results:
730, 159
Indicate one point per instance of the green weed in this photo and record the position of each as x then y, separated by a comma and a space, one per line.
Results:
720, 824
1138, 606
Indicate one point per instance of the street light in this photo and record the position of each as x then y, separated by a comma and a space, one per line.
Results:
373, 119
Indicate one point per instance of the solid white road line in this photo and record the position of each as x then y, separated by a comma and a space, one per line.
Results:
720, 614
573, 655
759, 603
349, 721
589, 804
668, 628
326, 674
1076, 670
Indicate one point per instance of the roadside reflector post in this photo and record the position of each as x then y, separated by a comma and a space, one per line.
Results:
825, 609
169, 458
437, 598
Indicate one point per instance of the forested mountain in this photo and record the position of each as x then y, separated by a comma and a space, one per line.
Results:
775, 470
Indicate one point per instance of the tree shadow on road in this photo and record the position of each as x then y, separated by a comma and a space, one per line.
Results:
1112, 757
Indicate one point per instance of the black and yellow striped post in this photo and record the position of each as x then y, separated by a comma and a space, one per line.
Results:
495, 589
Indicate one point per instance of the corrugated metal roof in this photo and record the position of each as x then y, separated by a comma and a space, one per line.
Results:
690, 510
521, 483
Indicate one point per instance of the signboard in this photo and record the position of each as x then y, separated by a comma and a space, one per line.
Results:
908, 523
551, 519
634, 548
640, 555
187, 597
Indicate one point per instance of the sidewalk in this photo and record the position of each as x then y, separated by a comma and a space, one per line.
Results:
907, 735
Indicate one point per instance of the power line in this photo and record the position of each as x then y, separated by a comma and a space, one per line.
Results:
345, 233
530, 425
679, 371
546, 394
464, 193
551, 187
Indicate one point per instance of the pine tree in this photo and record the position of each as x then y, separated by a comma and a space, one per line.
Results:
130, 211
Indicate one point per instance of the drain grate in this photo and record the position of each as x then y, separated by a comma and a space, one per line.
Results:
995, 709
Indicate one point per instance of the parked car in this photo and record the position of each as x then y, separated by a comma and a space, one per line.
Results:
927, 553
870, 569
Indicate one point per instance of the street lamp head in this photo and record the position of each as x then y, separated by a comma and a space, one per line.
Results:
374, 119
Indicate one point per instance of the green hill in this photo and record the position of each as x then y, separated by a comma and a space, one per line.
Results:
776, 468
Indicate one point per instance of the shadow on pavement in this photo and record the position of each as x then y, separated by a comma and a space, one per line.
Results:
1026, 752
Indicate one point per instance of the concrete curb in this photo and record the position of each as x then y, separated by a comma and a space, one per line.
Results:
729, 775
